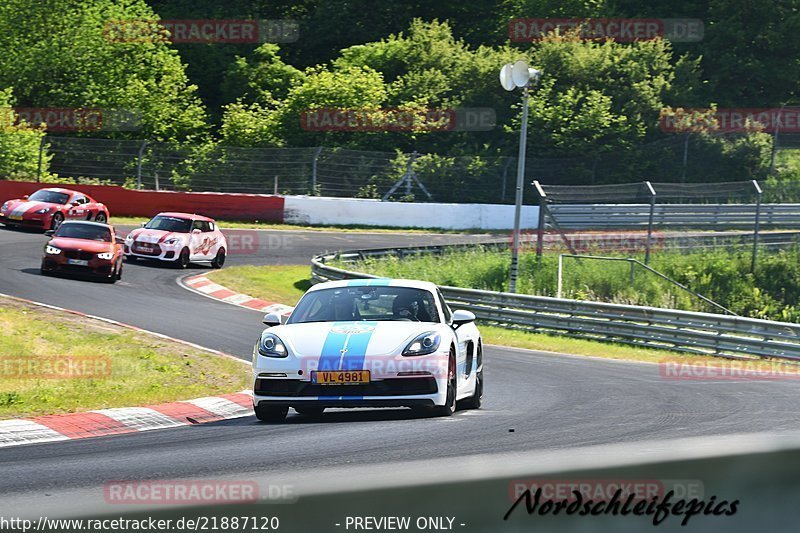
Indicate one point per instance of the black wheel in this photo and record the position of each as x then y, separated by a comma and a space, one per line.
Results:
219, 261
131, 258
310, 410
101, 217
183, 259
42, 271
475, 401
449, 406
58, 218
269, 413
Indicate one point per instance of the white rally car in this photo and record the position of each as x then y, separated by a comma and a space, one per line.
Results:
368, 343
178, 237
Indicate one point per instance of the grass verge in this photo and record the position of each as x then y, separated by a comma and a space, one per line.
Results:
233, 224
286, 284
56, 362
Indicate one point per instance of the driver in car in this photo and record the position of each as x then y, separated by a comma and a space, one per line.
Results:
406, 306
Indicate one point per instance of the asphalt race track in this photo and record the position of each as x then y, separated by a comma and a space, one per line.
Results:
550, 402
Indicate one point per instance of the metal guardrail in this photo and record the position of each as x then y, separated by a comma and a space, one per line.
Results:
599, 216
684, 331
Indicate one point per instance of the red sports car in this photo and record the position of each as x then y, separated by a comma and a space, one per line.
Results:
83, 247
48, 208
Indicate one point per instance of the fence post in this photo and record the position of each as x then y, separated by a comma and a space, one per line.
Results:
756, 225
560, 274
650, 221
275, 189
139, 166
314, 171
540, 225
39, 167
685, 156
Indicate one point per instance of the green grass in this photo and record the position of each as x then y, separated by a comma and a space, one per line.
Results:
721, 275
286, 284
126, 367
353, 228
280, 284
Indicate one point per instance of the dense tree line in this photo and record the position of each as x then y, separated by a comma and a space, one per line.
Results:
596, 98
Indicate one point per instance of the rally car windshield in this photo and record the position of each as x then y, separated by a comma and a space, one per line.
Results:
173, 224
366, 303
89, 232
51, 197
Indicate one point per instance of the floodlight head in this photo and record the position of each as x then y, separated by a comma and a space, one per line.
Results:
505, 78
520, 73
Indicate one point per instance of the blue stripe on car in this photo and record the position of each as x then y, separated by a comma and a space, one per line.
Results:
332, 349
372, 282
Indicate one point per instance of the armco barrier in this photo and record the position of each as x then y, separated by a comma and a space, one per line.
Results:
697, 333
714, 216
127, 202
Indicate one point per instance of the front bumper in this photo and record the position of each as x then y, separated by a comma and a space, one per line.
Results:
95, 267
392, 392
36, 221
162, 252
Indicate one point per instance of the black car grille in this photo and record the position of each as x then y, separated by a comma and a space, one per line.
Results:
388, 387
72, 254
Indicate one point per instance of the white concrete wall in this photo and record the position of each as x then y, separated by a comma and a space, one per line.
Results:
344, 211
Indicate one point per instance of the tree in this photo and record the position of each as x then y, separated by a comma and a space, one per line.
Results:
19, 144
64, 53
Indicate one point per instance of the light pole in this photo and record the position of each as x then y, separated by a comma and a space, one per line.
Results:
519, 75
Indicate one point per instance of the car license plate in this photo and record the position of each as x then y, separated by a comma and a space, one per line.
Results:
341, 377
15, 217
79, 262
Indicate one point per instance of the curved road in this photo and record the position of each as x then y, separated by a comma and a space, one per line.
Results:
550, 402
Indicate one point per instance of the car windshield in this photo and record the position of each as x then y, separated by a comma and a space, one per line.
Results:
174, 224
366, 303
90, 232
51, 197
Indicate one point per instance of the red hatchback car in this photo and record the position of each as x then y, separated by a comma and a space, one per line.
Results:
48, 208
83, 247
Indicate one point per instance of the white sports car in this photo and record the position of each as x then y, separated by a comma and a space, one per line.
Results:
178, 237
368, 343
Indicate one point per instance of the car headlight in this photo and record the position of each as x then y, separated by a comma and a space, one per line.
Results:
172, 240
425, 344
52, 250
4, 208
271, 346
106, 255
42, 211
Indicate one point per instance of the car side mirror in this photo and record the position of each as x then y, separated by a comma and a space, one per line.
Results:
73, 204
461, 317
143, 224
24, 196
272, 319
119, 240
50, 232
